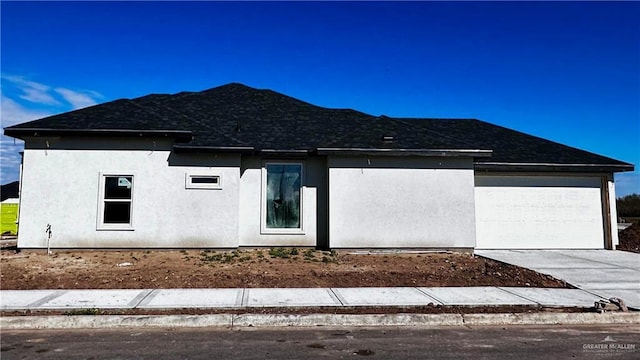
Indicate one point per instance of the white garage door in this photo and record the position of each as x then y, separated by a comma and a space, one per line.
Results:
538, 212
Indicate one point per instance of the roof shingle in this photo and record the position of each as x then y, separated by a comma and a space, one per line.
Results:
237, 116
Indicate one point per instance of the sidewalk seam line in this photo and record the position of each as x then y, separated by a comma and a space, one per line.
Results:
239, 297
518, 295
430, 295
46, 299
421, 293
147, 295
335, 295
245, 297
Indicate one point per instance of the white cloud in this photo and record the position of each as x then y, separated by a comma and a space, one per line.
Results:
63, 99
32, 91
12, 113
8, 147
10, 159
78, 99
24, 100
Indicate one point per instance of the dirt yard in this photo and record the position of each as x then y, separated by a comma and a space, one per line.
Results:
630, 239
278, 267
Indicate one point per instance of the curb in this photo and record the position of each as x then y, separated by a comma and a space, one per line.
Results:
310, 320
553, 319
113, 321
279, 320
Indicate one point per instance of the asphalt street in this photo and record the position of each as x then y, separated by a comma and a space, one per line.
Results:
496, 342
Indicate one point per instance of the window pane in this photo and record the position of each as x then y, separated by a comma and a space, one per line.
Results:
118, 187
204, 179
117, 212
283, 195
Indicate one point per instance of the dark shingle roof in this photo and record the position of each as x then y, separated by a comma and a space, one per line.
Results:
237, 117
516, 148
9, 191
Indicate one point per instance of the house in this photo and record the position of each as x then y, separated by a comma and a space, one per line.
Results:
235, 166
9, 201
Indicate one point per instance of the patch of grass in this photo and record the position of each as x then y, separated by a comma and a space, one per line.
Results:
91, 311
283, 253
279, 253
330, 257
204, 256
224, 258
309, 255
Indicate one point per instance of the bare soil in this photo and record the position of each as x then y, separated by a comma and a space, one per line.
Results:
630, 239
276, 268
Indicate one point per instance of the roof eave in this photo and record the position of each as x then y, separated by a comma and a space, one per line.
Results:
244, 150
22, 133
334, 151
553, 167
213, 149
406, 152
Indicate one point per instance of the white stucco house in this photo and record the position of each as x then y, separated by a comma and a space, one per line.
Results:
235, 166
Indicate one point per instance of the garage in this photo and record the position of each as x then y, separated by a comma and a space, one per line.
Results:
539, 212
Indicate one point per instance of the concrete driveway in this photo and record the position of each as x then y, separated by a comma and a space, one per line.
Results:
605, 273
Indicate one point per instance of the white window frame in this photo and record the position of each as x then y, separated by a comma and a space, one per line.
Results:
101, 225
263, 205
189, 184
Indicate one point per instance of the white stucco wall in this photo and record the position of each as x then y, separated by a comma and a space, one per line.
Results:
539, 212
380, 202
252, 211
60, 186
613, 210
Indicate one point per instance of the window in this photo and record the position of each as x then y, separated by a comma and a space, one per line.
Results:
196, 181
282, 197
116, 196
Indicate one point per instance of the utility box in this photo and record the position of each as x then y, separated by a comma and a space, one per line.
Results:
9, 210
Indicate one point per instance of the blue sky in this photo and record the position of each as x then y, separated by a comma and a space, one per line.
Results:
565, 71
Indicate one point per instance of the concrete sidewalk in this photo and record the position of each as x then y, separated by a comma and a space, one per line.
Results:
605, 273
247, 298
290, 297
